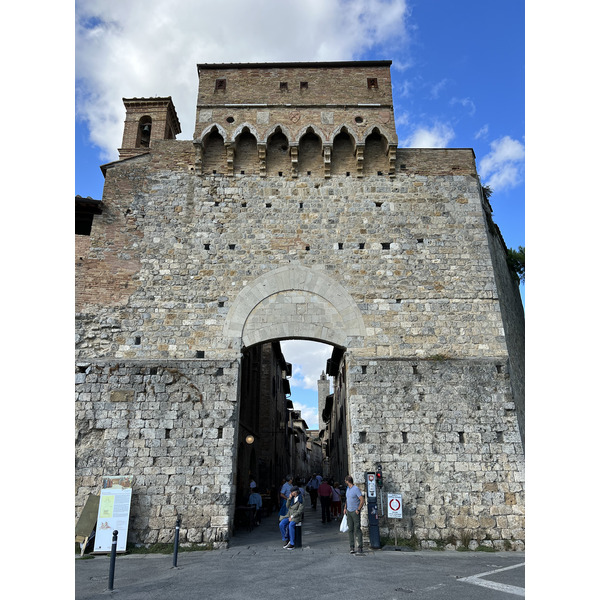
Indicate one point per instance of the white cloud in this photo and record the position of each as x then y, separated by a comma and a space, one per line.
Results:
482, 133
309, 414
437, 136
465, 103
151, 48
503, 167
438, 87
309, 360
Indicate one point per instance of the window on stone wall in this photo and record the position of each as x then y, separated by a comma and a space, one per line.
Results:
220, 85
304, 85
372, 83
283, 86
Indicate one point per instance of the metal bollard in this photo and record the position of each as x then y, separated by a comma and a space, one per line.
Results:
176, 544
298, 541
113, 556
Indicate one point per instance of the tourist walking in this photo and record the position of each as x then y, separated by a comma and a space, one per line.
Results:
325, 493
312, 486
354, 503
255, 500
336, 501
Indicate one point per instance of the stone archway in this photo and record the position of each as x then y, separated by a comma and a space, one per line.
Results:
295, 302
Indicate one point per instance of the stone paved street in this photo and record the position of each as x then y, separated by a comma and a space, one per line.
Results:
255, 566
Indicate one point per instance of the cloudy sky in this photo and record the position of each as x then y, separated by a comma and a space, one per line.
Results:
458, 77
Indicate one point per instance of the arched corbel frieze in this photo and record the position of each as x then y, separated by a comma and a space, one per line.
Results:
208, 130
239, 130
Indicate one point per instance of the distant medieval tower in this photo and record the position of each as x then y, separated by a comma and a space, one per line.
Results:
323, 392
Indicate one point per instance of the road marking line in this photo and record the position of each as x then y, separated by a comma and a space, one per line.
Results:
501, 587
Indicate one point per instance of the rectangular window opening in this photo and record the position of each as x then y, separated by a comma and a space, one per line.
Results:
304, 85
404, 437
461, 437
385, 245
199, 353
220, 84
372, 83
283, 86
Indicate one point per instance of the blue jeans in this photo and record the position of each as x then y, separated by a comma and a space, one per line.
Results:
288, 530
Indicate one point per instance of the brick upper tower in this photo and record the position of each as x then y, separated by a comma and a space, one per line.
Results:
284, 119
146, 120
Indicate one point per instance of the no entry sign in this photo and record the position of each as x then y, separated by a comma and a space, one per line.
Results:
394, 503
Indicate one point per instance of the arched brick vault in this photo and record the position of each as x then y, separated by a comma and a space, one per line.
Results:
294, 302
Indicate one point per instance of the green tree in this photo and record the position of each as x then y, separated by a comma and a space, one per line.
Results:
516, 263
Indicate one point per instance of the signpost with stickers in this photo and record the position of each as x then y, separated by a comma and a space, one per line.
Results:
394, 511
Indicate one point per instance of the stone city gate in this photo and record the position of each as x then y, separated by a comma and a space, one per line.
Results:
293, 214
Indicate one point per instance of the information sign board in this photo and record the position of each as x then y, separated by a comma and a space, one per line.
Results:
394, 506
113, 513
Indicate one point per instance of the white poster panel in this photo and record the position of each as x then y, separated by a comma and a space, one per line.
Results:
113, 513
394, 506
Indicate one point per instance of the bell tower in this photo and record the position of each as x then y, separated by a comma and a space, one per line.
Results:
147, 120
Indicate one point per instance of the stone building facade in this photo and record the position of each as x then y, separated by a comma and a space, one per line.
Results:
292, 213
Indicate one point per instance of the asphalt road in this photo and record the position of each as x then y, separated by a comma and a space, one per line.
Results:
256, 567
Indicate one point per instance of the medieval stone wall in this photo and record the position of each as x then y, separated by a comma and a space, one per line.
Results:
172, 426
447, 437
386, 254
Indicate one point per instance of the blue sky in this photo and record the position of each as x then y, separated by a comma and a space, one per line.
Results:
458, 81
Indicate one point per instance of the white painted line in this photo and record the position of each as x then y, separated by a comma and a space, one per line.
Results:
501, 587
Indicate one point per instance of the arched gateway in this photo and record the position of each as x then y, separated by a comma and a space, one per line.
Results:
295, 302
292, 213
